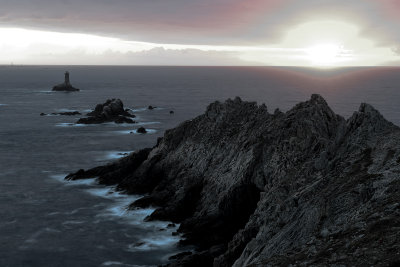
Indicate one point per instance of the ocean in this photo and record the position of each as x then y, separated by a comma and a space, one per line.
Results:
46, 221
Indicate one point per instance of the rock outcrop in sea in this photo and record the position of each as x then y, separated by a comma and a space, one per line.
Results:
110, 111
66, 85
250, 188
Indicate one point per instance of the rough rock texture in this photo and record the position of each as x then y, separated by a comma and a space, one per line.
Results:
250, 188
111, 111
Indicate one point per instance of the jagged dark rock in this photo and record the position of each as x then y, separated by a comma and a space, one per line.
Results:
69, 113
249, 188
110, 111
66, 85
142, 130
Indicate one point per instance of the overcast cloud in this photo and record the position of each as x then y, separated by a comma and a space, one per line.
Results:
198, 21
202, 22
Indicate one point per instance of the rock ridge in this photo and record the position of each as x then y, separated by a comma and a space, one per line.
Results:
250, 188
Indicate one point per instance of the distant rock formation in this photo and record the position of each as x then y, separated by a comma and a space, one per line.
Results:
110, 111
251, 188
66, 86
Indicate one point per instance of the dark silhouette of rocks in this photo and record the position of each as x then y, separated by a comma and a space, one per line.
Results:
151, 107
68, 113
142, 130
110, 111
66, 86
250, 188
171, 112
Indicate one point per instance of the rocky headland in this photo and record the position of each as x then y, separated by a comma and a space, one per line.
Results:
110, 111
250, 188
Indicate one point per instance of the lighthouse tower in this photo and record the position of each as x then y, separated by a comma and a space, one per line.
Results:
67, 78
66, 86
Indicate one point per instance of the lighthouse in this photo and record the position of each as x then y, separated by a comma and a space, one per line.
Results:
67, 78
66, 86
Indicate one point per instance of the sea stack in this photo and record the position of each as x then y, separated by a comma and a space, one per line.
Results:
66, 86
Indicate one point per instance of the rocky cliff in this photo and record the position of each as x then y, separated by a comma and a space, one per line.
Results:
251, 188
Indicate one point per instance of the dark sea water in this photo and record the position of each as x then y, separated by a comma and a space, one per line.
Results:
45, 221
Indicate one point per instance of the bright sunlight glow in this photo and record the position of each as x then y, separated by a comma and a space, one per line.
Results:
306, 44
325, 54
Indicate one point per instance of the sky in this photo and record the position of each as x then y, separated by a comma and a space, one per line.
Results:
314, 33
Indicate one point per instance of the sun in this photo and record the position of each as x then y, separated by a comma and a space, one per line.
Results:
324, 54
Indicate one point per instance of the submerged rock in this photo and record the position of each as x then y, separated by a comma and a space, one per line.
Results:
66, 86
250, 188
110, 111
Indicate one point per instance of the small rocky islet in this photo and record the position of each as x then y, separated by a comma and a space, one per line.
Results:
304, 187
110, 111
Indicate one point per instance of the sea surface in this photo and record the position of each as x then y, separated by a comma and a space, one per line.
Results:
46, 221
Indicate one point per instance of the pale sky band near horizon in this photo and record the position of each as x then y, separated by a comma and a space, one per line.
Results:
312, 33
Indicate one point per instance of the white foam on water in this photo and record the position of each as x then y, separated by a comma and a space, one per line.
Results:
162, 241
61, 178
157, 234
148, 123
134, 131
33, 238
110, 263
115, 155
8, 223
53, 213
104, 192
66, 110
74, 211
71, 124
138, 109
158, 241
121, 201
137, 216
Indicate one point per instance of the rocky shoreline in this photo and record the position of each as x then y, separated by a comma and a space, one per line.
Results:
250, 188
